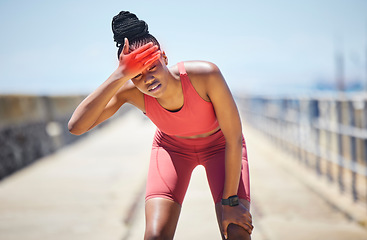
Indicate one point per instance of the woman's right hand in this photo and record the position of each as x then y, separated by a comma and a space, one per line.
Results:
132, 64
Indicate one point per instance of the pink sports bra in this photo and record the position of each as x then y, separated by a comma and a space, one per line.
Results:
196, 116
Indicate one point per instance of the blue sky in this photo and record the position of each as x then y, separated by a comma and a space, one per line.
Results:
66, 47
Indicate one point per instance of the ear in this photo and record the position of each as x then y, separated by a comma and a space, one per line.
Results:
165, 58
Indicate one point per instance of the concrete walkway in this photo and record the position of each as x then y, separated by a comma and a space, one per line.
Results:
94, 189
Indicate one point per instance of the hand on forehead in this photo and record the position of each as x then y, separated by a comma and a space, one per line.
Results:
135, 62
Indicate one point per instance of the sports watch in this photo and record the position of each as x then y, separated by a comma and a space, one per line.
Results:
231, 201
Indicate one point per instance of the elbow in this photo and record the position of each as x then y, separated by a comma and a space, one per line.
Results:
239, 141
235, 141
73, 129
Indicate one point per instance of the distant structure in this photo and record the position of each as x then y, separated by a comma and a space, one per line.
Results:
339, 60
365, 83
339, 65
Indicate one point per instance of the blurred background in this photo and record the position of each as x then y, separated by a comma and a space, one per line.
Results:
287, 46
298, 71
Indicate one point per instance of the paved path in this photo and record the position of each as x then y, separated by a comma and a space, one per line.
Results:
93, 189
291, 202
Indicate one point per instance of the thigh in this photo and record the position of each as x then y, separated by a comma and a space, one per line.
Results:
161, 218
215, 171
169, 174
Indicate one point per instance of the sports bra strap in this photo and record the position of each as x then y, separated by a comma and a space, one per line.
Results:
181, 68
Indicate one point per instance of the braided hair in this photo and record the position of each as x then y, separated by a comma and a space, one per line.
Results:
127, 25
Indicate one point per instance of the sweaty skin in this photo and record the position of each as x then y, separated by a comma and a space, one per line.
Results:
147, 68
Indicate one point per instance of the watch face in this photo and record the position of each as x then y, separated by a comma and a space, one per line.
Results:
233, 201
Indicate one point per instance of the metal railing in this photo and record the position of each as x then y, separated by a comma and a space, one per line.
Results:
328, 134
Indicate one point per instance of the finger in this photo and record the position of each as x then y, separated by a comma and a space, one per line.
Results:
125, 50
225, 226
152, 58
146, 52
248, 218
247, 215
248, 222
247, 226
142, 48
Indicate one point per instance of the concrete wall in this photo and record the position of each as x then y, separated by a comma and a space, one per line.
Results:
32, 127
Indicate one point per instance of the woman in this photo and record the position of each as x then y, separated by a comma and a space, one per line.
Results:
198, 123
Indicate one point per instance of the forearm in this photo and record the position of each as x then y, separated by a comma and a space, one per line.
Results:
93, 105
233, 161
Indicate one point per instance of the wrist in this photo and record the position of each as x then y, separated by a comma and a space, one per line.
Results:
231, 201
117, 74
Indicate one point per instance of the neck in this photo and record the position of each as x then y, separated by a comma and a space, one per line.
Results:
172, 99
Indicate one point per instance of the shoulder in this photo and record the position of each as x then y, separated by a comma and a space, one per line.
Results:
201, 68
204, 73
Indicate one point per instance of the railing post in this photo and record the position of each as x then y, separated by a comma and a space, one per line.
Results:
304, 128
329, 140
340, 146
315, 115
360, 107
353, 149
333, 138
297, 118
323, 133
285, 124
364, 125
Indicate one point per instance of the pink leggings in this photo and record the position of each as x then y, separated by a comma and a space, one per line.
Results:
173, 159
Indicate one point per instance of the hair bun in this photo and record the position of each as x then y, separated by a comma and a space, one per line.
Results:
127, 25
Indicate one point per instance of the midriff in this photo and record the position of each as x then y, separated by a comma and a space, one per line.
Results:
202, 135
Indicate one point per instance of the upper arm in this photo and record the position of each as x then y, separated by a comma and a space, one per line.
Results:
224, 104
120, 98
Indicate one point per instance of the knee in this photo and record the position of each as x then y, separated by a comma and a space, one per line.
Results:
236, 232
157, 238
157, 235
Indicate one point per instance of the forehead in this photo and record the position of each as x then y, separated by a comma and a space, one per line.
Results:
157, 63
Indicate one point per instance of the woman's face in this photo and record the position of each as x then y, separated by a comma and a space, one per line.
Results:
153, 80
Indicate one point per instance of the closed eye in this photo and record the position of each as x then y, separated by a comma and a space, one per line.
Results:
152, 68
137, 77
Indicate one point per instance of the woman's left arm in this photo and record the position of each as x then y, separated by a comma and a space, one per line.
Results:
230, 123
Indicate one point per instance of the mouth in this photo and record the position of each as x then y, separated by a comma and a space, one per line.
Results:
154, 86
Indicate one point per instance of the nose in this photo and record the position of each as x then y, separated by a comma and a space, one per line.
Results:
149, 78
